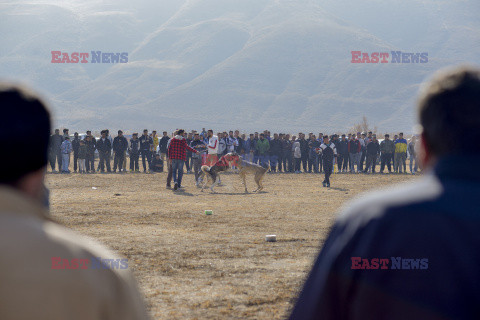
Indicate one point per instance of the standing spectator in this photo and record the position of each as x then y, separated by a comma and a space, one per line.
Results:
66, 148
204, 134
262, 148
329, 153
400, 154
107, 136
395, 137
177, 154
254, 147
169, 164
281, 157
386, 255
65, 133
75, 146
120, 146
363, 150
155, 143
319, 155
90, 143
212, 148
413, 155
222, 144
354, 149
239, 145
163, 145
188, 164
287, 154
134, 151
249, 148
82, 155
305, 151
387, 148
104, 148
55, 153
313, 149
201, 147
297, 155
275, 151
342, 149
373, 150
230, 142
145, 144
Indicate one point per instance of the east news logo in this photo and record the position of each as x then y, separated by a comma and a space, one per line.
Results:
95, 57
394, 263
95, 263
383, 57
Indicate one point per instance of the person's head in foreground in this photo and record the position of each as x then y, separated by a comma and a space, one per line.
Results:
412, 252
46, 270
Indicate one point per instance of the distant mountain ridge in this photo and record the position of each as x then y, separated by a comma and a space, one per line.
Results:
276, 64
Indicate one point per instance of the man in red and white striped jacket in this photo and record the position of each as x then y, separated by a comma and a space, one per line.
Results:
177, 154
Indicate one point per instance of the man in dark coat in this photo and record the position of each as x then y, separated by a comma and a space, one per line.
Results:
120, 145
412, 252
75, 147
104, 148
372, 152
54, 152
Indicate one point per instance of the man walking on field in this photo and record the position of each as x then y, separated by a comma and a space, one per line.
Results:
177, 154
329, 152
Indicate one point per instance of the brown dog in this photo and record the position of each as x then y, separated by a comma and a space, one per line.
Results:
253, 168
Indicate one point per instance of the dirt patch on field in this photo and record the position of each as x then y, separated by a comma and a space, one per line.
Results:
195, 266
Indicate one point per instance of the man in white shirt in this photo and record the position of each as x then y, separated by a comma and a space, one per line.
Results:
212, 148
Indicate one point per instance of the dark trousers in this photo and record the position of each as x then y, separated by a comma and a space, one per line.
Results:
327, 168
54, 158
371, 162
342, 162
118, 161
197, 166
298, 161
170, 173
282, 163
146, 157
134, 161
362, 159
386, 159
90, 163
104, 161
320, 163
304, 162
289, 162
313, 162
187, 163
75, 158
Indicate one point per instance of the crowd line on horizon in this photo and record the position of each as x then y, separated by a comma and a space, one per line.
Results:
359, 152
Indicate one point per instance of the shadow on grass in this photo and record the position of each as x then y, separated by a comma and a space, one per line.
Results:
338, 189
183, 193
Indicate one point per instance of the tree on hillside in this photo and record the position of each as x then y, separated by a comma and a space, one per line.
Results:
363, 126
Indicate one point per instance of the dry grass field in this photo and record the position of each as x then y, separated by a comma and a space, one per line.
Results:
195, 266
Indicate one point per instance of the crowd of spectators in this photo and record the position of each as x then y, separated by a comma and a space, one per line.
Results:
360, 152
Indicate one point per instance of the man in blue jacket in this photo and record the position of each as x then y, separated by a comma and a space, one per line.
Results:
412, 252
